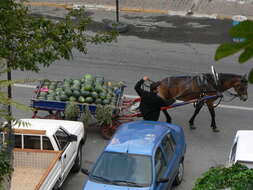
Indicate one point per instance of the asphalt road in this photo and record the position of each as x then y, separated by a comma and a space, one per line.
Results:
158, 55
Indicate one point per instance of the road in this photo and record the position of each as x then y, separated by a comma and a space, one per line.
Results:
188, 48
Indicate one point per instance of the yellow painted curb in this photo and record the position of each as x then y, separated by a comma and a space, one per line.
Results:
48, 4
144, 10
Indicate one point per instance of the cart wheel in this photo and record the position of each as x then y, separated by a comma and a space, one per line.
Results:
107, 131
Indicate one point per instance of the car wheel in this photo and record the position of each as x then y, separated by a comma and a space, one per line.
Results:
180, 174
78, 161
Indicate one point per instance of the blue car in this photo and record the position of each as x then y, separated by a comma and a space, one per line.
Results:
142, 155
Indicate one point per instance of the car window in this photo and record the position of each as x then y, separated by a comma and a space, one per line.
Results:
47, 145
126, 167
62, 138
233, 152
160, 164
18, 141
168, 144
32, 142
172, 141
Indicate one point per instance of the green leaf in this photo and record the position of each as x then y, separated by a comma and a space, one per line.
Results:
244, 29
250, 77
246, 55
228, 49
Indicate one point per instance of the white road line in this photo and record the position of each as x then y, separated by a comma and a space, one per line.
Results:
24, 85
236, 107
133, 96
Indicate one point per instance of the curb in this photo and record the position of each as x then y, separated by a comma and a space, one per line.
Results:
128, 9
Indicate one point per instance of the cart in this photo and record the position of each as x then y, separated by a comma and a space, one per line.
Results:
55, 109
129, 112
124, 110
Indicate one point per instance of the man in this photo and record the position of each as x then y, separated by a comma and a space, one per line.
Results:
151, 102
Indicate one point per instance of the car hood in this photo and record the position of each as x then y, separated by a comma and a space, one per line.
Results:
100, 186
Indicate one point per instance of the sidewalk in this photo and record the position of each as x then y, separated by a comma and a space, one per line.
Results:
222, 9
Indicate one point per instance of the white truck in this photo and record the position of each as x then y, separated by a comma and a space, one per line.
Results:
45, 151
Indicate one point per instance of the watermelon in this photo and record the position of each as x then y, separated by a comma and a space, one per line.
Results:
52, 87
89, 100
81, 99
84, 93
87, 87
41, 97
57, 98
72, 98
46, 82
43, 93
76, 93
50, 98
98, 88
94, 94
76, 82
102, 95
63, 97
88, 77
76, 87
105, 102
68, 92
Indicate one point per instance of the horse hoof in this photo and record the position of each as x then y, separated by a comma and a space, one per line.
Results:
192, 127
216, 130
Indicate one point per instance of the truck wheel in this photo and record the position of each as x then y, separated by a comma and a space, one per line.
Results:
180, 174
78, 162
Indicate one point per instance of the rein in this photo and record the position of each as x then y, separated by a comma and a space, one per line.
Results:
232, 95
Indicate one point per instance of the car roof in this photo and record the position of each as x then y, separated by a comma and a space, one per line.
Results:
49, 125
138, 137
244, 150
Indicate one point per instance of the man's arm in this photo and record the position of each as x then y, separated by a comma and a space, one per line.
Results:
138, 87
162, 102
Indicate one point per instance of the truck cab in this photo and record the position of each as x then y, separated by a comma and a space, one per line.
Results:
46, 151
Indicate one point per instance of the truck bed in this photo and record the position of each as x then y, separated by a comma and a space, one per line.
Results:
31, 167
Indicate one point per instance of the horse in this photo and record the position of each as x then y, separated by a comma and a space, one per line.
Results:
186, 88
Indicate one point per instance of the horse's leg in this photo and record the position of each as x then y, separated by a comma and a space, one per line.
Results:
212, 112
198, 107
167, 115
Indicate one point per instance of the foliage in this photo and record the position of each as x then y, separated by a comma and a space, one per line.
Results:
236, 177
72, 111
104, 114
242, 30
28, 42
86, 116
5, 167
5, 101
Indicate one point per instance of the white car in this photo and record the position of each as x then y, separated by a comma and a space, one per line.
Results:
242, 151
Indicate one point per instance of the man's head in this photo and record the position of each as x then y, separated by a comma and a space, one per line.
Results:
154, 86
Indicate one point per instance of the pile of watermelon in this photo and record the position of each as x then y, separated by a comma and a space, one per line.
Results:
89, 89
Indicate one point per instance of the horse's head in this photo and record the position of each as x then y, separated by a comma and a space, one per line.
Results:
241, 87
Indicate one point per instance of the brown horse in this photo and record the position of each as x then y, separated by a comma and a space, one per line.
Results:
186, 88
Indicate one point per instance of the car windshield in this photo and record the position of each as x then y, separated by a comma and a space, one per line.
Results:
123, 169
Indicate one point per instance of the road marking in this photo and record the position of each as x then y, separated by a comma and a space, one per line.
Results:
133, 96
24, 85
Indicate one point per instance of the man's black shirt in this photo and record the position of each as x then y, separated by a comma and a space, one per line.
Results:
150, 103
